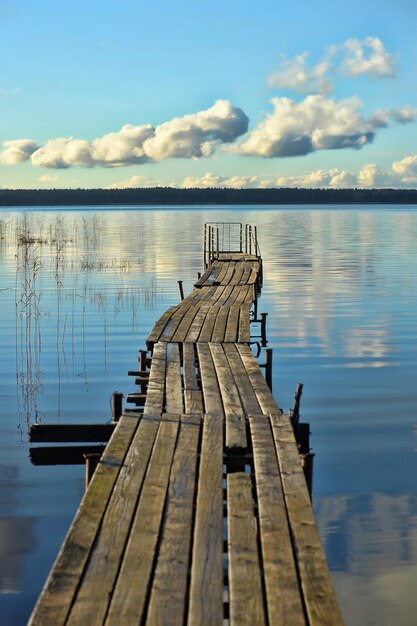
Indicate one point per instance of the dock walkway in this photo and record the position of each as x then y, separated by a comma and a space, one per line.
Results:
198, 512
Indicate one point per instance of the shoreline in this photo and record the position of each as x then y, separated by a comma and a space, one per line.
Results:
204, 197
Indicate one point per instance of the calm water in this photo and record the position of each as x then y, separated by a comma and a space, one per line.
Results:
79, 291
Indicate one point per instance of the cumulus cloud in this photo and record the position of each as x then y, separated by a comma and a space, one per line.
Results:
334, 178
198, 135
211, 180
137, 181
47, 178
406, 169
297, 75
402, 174
353, 57
316, 123
366, 56
190, 136
17, 151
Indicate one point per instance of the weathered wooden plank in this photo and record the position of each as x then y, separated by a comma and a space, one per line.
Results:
197, 323
70, 432
210, 275
206, 586
209, 383
223, 269
232, 326
193, 398
244, 323
246, 273
238, 273
129, 595
160, 325
284, 602
169, 588
156, 388
235, 417
173, 394
263, 393
223, 314
247, 395
189, 313
58, 593
210, 319
313, 571
178, 315
229, 273
246, 605
98, 580
254, 275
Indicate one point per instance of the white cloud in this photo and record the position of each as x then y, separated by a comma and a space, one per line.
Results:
334, 178
122, 148
197, 135
315, 123
17, 151
403, 174
211, 180
46, 178
352, 58
137, 181
191, 136
318, 123
366, 56
297, 75
406, 169
62, 153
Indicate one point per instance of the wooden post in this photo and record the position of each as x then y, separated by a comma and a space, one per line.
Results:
268, 367
142, 360
198, 275
181, 290
295, 413
307, 463
264, 341
116, 405
91, 462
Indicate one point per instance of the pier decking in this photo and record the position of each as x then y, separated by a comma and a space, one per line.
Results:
198, 512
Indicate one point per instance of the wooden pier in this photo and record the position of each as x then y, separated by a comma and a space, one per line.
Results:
198, 512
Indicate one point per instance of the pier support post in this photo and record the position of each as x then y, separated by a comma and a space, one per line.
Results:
268, 367
307, 464
295, 412
116, 405
264, 341
91, 462
142, 360
181, 289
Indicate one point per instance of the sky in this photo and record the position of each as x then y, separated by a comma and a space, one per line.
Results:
208, 94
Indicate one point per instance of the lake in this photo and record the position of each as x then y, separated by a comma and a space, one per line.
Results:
79, 292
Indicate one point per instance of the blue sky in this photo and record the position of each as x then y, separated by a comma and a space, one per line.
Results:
240, 94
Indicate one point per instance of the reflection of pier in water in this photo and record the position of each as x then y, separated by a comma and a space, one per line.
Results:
200, 494
16, 533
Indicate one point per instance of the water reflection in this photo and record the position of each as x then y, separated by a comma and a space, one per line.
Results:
80, 290
16, 533
371, 545
64, 278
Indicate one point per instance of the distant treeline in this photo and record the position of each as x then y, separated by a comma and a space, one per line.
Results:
168, 195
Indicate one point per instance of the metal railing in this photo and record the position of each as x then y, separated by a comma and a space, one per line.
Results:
220, 237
